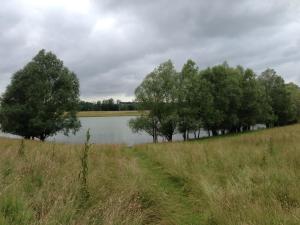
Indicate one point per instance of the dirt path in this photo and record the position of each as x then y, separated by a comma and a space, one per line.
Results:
175, 206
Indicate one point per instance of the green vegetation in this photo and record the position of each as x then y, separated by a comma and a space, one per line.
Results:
251, 178
41, 100
220, 99
107, 105
107, 113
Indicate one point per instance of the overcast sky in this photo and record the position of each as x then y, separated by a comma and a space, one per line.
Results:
113, 44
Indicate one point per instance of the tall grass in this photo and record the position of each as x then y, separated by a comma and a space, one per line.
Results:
42, 187
83, 175
246, 179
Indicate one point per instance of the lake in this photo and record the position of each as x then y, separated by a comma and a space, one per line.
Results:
108, 130
105, 130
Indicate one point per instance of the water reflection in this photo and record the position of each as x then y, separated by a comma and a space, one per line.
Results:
110, 130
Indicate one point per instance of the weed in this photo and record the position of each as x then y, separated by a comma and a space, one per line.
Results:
21, 150
83, 175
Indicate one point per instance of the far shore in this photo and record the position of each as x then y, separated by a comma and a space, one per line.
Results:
108, 113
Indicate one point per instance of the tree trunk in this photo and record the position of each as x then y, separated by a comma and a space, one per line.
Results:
208, 133
169, 138
214, 132
184, 135
154, 135
42, 137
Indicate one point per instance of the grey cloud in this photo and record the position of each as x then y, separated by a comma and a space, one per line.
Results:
116, 43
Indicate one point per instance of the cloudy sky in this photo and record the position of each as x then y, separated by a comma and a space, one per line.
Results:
112, 44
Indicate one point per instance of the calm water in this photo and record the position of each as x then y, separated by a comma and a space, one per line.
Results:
108, 130
105, 130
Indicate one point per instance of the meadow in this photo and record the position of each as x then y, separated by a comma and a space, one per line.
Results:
107, 113
246, 179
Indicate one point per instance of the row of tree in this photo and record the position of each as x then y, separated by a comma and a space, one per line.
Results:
220, 99
107, 105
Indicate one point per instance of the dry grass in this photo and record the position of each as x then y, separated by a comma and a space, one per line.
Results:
107, 113
42, 187
246, 179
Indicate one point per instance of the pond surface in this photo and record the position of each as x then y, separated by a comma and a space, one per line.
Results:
105, 130
108, 130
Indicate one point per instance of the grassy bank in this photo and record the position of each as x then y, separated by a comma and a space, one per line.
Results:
107, 113
247, 179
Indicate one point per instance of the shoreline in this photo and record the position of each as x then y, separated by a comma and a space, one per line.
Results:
108, 113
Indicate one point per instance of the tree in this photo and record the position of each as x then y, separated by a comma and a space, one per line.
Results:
194, 100
157, 94
226, 92
266, 114
145, 123
277, 93
187, 111
41, 100
294, 108
250, 107
109, 105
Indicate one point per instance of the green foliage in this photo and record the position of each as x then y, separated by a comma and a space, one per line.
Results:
194, 99
157, 93
250, 100
220, 99
278, 96
41, 100
226, 92
294, 94
144, 123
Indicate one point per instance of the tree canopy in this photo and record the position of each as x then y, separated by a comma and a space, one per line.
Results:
41, 100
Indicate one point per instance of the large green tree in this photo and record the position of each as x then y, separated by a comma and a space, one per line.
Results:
187, 111
194, 100
158, 94
278, 96
41, 100
294, 107
226, 91
250, 100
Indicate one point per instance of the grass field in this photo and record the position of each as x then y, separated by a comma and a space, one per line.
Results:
107, 113
247, 179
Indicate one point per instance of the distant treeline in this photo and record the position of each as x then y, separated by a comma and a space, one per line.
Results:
220, 99
107, 105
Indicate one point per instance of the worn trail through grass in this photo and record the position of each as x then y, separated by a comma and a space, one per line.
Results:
175, 204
